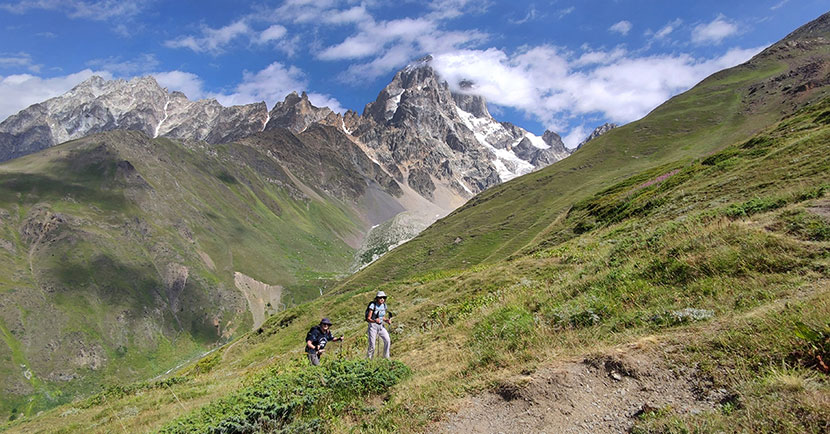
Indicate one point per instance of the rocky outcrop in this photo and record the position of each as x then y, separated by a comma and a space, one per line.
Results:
598, 131
436, 139
296, 113
139, 104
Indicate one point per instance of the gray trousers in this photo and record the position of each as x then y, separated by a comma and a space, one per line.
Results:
314, 358
375, 330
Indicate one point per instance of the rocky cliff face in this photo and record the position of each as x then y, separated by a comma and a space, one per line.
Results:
140, 104
437, 141
598, 131
296, 113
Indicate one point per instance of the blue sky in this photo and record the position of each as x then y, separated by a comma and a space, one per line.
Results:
562, 65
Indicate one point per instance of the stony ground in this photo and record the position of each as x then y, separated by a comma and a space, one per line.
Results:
598, 394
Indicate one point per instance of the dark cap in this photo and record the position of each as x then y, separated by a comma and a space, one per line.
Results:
325, 321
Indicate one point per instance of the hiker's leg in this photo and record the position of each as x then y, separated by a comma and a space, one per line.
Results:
384, 336
373, 335
314, 359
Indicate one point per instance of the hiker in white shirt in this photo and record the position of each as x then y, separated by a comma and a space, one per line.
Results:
376, 315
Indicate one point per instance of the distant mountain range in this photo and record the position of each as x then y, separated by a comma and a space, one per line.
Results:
683, 252
144, 227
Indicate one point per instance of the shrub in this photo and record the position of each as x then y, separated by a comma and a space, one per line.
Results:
805, 226
816, 352
296, 399
754, 206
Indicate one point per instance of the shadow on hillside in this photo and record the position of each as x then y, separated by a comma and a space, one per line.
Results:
136, 291
33, 188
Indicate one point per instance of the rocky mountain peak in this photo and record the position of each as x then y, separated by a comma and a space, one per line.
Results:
474, 104
418, 83
598, 131
296, 113
139, 104
96, 81
818, 28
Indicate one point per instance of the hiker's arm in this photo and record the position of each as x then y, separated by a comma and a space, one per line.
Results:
310, 345
369, 317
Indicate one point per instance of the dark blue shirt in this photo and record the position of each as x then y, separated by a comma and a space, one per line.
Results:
315, 335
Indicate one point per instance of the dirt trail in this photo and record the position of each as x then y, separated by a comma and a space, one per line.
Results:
604, 393
598, 394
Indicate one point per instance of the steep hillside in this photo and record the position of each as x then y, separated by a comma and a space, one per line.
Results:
694, 294
684, 291
726, 107
122, 255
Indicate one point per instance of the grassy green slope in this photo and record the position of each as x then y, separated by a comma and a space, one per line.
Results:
118, 258
718, 259
726, 107
709, 264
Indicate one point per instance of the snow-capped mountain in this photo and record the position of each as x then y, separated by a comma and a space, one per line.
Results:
444, 146
139, 104
439, 142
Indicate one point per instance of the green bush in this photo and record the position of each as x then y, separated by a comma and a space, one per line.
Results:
805, 225
296, 399
754, 206
816, 352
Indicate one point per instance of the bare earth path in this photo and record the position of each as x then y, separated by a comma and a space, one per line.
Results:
603, 394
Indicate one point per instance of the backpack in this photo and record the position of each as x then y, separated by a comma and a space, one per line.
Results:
369, 309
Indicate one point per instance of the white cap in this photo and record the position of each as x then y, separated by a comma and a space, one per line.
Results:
381, 294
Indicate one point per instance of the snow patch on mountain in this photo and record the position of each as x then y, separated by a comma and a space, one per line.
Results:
392, 105
537, 141
507, 163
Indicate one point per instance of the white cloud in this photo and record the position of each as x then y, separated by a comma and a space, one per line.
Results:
600, 57
142, 64
212, 40
18, 60
356, 14
375, 36
271, 85
451, 9
322, 100
668, 28
565, 12
392, 44
22, 90
575, 136
185, 82
99, 10
303, 11
272, 33
778, 5
531, 15
554, 87
714, 32
622, 27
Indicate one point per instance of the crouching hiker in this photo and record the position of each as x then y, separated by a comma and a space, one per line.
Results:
316, 340
376, 315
